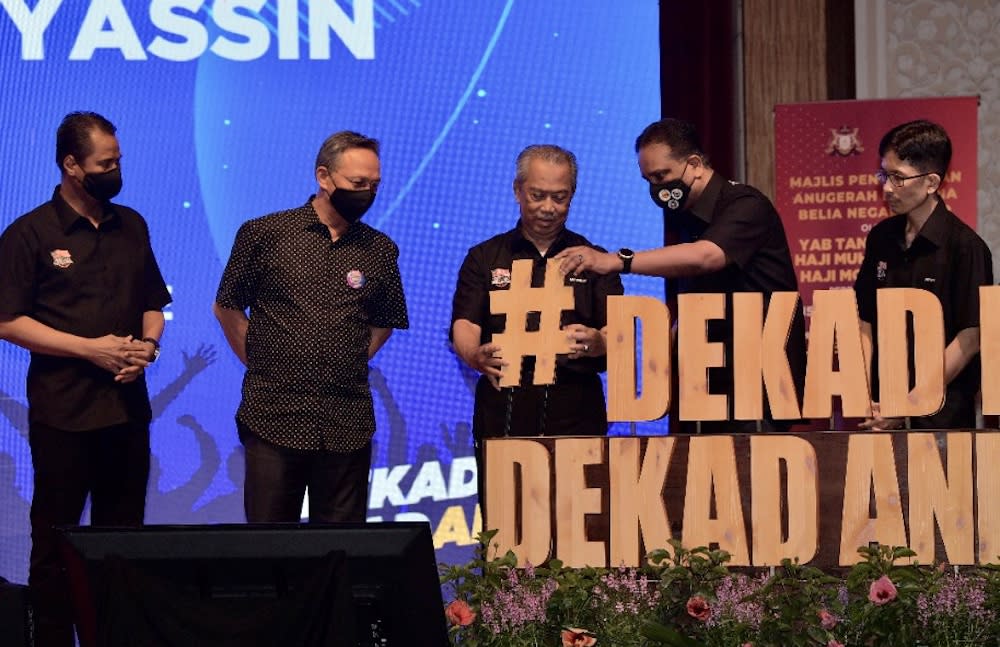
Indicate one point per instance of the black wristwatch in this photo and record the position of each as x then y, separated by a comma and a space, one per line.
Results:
156, 346
626, 255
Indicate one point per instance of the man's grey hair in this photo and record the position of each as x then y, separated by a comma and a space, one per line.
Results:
549, 153
335, 145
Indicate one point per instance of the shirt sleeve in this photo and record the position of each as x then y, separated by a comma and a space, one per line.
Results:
471, 300
973, 267
17, 273
742, 227
388, 307
238, 287
155, 288
864, 283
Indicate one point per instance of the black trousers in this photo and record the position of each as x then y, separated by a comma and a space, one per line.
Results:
111, 466
277, 478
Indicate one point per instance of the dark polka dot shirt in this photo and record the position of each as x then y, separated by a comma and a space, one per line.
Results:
312, 304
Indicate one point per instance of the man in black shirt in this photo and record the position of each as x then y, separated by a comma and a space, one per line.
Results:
324, 293
544, 184
924, 245
80, 289
737, 244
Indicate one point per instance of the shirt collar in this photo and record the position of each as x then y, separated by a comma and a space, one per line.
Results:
936, 226
310, 221
69, 218
519, 242
705, 207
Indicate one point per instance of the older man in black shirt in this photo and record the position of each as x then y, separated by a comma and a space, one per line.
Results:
924, 245
736, 244
324, 294
80, 289
543, 187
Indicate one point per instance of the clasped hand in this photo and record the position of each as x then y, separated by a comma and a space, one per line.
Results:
125, 357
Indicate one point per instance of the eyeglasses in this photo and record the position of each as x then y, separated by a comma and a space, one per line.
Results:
897, 180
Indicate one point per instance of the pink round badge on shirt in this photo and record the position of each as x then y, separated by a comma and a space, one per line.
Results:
356, 279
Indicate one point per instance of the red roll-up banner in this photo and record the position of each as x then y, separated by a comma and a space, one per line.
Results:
826, 157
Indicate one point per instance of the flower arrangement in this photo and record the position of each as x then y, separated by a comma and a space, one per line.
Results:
691, 598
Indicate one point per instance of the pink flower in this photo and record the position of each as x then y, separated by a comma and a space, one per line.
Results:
459, 613
826, 619
882, 591
747, 644
574, 637
834, 643
697, 607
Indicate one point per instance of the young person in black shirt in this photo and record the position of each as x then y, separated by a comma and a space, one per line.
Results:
924, 245
80, 289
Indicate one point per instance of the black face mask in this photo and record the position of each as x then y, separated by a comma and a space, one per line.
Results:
351, 205
103, 186
672, 195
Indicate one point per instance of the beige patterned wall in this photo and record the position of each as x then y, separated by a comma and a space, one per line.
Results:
921, 48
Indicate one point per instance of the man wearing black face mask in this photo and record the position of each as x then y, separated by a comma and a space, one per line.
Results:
324, 293
81, 289
735, 243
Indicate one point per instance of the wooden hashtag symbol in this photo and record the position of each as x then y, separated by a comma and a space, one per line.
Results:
516, 342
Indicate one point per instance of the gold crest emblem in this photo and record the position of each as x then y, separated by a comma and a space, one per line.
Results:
844, 141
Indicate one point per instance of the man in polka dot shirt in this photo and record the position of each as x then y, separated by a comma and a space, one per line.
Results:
323, 293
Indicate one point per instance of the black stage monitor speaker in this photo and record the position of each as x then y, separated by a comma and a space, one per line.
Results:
343, 585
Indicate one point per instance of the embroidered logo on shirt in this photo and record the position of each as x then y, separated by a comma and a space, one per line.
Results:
930, 279
577, 279
61, 258
356, 279
500, 277
880, 270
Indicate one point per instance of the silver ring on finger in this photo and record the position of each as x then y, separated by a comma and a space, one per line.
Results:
586, 348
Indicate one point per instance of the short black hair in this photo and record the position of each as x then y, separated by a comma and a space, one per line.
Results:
339, 142
923, 144
681, 136
73, 135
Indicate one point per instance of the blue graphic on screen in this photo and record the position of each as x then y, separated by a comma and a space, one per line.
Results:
221, 109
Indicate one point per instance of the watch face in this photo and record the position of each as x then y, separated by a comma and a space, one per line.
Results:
625, 252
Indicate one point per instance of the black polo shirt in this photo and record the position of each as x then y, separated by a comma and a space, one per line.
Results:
312, 302
746, 226
947, 258
575, 404
60, 270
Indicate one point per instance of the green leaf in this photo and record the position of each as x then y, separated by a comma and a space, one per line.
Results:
667, 636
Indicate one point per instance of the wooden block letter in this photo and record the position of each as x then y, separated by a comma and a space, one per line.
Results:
503, 458
802, 496
637, 497
871, 467
989, 347
516, 342
835, 330
574, 501
945, 497
895, 397
987, 495
712, 470
697, 355
624, 403
759, 351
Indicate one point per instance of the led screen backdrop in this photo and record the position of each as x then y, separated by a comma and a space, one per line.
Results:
221, 107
